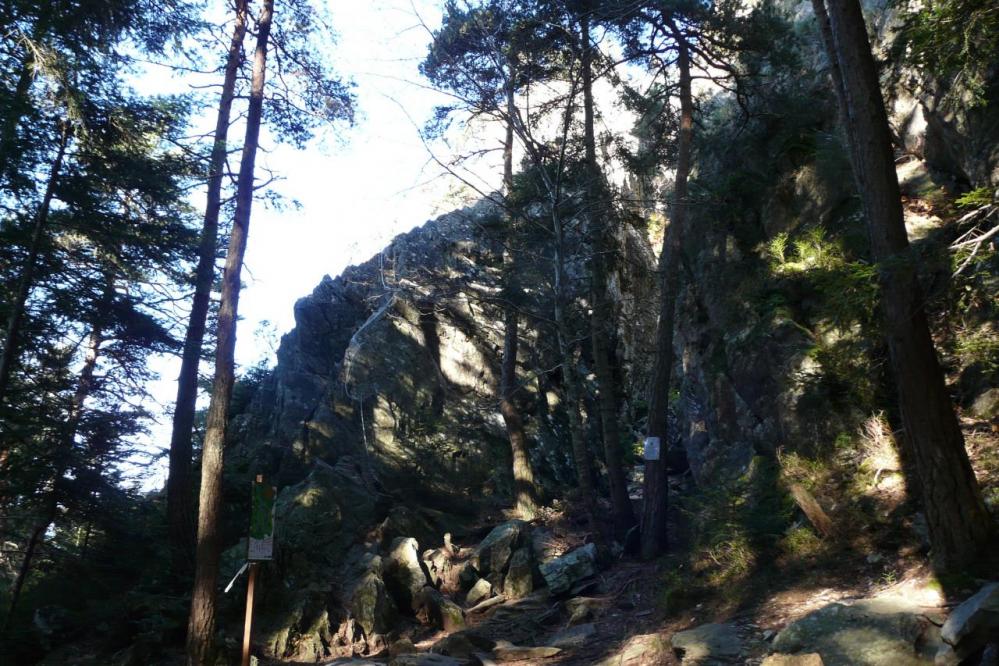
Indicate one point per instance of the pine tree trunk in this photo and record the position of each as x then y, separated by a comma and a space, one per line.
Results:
180, 514
26, 282
602, 320
25, 569
525, 489
64, 451
570, 378
201, 623
656, 484
960, 526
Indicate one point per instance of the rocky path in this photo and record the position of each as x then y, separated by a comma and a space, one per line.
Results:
543, 593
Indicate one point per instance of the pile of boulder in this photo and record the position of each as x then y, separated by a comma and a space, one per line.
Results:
394, 593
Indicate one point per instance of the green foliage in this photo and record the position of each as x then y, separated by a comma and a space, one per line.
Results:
978, 346
983, 196
956, 41
801, 542
735, 525
675, 588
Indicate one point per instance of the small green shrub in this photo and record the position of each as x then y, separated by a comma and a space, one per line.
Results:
983, 196
980, 345
801, 542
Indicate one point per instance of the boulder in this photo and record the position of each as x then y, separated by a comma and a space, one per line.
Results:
494, 553
506, 651
519, 580
483, 589
370, 604
581, 609
573, 637
322, 523
639, 650
544, 544
870, 632
463, 644
456, 645
707, 644
467, 576
439, 610
404, 573
438, 563
972, 624
401, 646
810, 659
986, 405
563, 572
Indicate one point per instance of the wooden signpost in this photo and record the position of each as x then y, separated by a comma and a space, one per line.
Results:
260, 548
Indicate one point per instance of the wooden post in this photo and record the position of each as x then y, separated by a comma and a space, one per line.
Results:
248, 622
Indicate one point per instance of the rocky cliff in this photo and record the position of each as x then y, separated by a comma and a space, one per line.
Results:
380, 421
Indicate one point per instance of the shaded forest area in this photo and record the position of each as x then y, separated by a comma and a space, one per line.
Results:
722, 341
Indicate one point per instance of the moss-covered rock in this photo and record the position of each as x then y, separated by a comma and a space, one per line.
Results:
563, 572
405, 573
519, 579
494, 552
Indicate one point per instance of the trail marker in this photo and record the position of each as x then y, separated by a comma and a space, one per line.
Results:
261, 542
651, 448
260, 548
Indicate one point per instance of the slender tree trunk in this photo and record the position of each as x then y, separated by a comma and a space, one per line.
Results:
656, 490
201, 624
180, 514
525, 489
26, 282
602, 318
523, 476
64, 451
960, 526
22, 572
570, 380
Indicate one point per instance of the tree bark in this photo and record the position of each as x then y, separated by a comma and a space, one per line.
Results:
959, 524
180, 515
201, 623
525, 489
26, 282
25, 569
570, 379
604, 356
655, 537
64, 451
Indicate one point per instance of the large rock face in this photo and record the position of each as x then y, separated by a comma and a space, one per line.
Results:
380, 424
380, 420
777, 325
395, 364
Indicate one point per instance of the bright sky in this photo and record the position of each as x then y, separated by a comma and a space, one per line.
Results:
355, 197
357, 190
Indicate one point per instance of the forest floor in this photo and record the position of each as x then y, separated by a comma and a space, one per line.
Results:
627, 614
635, 607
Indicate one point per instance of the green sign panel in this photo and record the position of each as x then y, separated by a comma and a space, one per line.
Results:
261, 545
